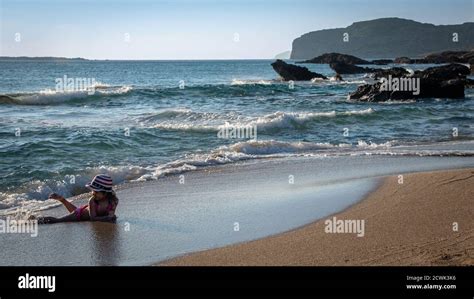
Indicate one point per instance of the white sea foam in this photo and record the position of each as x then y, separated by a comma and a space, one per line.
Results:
358, 112
240, 151
396, 102
251, 82
269, 147
372, 145
334, 81
286, 119
185, 127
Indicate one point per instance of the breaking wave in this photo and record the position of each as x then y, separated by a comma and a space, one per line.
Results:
53, 97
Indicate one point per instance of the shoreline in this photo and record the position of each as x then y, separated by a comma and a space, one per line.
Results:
412, 223
164, 219
461, 148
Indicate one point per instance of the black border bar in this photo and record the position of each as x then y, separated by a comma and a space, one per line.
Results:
310, 282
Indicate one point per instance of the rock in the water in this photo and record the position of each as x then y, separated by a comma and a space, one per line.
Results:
447, 81
293, 72
402, 60
394, 72
433, 88
429, 88
444, 72
344, 68
382, 61
467, 56
337, 57
449, 57
438, 58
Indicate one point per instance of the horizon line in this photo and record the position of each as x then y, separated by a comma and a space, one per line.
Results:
109, 59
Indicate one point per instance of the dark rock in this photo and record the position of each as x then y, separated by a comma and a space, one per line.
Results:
394, 72
402, 60
338, 77
447, 81
467, 56
293, 72
438, 58
344, 68
433, 88
444, 72
329, 58
449, 57
369, 93
429, 88
382, 61
471, 63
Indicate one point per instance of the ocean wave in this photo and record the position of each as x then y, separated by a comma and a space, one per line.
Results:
290, 119
235, 88
240, 151
202, 122
33, 195
51, 97
177, 113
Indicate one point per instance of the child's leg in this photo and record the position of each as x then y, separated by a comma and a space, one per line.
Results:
69, 206
68, 218
49, 220
46, 220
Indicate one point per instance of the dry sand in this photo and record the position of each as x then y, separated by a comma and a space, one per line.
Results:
405, 224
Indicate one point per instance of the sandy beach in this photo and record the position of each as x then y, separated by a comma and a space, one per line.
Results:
426, 220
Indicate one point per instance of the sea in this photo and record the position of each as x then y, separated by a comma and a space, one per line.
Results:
145, 120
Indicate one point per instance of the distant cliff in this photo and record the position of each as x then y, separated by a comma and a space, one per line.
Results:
385, 38
283, 55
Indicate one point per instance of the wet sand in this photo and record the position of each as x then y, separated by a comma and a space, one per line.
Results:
426, 220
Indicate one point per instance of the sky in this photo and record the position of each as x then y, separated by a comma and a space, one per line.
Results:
193, 29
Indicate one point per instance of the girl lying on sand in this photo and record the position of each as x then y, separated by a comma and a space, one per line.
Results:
101, 205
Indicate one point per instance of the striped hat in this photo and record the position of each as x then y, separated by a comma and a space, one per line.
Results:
101, 182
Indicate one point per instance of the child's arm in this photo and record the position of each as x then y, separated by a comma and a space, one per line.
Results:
56, 196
